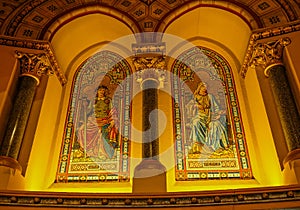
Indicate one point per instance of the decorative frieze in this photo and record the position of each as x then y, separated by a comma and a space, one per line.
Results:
155, 62
258, 196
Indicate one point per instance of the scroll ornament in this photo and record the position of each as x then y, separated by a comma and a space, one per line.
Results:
150, 68
268, 54
34, 65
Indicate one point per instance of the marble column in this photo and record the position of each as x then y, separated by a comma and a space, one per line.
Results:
150, 125
286, 106
150, 174
290, 121
269, 56
32, 67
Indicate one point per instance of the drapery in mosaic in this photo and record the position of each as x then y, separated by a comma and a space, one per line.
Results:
96, 138
208, 130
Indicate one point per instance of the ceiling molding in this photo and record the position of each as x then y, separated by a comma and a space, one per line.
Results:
31, 19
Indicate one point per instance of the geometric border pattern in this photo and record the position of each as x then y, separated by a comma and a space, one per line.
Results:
259, 196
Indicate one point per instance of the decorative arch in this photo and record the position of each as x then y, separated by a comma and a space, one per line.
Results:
51, 16
96, 136
238, 9
208, 129
55, 25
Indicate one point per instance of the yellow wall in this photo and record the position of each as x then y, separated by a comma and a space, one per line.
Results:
79, 39
8, 75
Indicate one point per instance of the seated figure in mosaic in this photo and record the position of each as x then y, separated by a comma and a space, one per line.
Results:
99, 135
209, 131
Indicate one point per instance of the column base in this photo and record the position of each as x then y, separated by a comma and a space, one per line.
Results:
149, 177
10, 174
291, 171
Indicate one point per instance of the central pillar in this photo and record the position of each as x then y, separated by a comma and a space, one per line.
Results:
150, 125
149, 174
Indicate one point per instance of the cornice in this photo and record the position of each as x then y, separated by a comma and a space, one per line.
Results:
265, 195
264, 34
43, 46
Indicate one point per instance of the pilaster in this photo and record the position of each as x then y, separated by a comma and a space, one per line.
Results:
32, 67
269, 57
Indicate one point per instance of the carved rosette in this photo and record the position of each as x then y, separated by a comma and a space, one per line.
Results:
34, 65
150, 68
268, 54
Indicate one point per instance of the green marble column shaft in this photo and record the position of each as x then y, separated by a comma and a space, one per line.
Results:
18, 117
286, 106
150, 147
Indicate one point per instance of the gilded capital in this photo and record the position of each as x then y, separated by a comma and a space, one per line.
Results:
266, 55
155, 62
34, 65
150, 68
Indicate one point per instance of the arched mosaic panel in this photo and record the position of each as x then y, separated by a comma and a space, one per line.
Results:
96, 138
208, 130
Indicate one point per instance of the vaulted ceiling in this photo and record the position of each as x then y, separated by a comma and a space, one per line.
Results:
32, 19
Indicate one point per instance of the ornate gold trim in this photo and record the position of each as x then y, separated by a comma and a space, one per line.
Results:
150, 68
43, 47
10, 162
267, 54
151, 62
34, 65
263, 34
59, 74
271, 196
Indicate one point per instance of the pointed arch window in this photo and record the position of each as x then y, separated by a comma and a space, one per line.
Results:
208, 130
96, 136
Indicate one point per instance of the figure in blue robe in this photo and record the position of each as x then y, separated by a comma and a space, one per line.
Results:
208, 122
